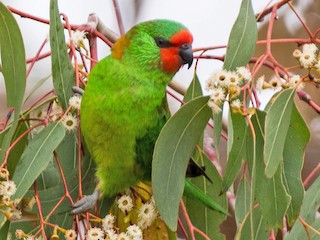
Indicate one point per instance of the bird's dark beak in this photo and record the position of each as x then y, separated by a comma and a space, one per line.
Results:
186, 54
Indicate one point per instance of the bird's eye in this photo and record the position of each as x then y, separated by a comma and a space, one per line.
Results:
161, 42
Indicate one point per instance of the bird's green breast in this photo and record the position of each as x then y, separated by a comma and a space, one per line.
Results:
120, 105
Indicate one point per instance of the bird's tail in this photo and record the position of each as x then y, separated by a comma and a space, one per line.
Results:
193, 192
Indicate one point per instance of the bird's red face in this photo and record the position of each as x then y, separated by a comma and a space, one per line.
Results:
176, 51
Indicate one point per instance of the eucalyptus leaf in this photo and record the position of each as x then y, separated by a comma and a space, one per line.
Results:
12, 58
276, 128
293, 156
63, 75
18, 149
259, 230
172, 152
310, 206
217, 129
50, 196
194, 89
236, 147
242, 207
13, 69
242, 40
36, 157
271, 193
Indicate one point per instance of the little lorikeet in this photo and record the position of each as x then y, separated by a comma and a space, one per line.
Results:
124, 105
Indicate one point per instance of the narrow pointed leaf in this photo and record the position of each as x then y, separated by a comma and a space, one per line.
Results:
194, 89
36, 157
53, 190
217, 129
236, 148
62, 70
259, 230
293, 155
13, 69
172, 152
276, 128
243, 200
243, 36
310, 206
270, 193
12, 58
273, 199
19, 147
192, 191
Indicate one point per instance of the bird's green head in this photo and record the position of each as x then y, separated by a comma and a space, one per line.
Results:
163, 45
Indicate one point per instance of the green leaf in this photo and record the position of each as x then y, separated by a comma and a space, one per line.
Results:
36, 157
259, 230
12, 58
276, 128
49, 177
293, 155
273, 199
194, 89
54, 189
63, 75
242, 40
202, 217
310, 206
242, 207
18, 149
29, 226
172, 152
271, 193
217, 129
4, 230
13, 69
236, 147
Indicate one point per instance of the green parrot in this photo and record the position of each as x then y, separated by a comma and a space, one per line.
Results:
124, 105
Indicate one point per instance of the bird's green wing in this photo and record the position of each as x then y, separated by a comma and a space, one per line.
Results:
145, 144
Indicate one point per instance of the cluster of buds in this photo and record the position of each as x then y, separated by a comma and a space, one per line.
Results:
309, 58
127, 220
293, 81
68, 234
225, 84
8, 188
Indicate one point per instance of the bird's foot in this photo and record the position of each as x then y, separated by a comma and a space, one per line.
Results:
86, 203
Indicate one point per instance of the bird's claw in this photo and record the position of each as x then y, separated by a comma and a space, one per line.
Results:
85, 204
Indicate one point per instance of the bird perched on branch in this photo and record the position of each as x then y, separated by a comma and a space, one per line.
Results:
124, 105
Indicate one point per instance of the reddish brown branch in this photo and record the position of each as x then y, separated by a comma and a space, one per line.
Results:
307, 98
260, 16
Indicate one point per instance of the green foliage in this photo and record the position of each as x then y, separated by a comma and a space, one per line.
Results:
265, 151
36, 157
243, 200
241, 46
194, 89
310, 206
276, 129
62, 70
13, 69
242, 40
293, 154
172, 152
236, 148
